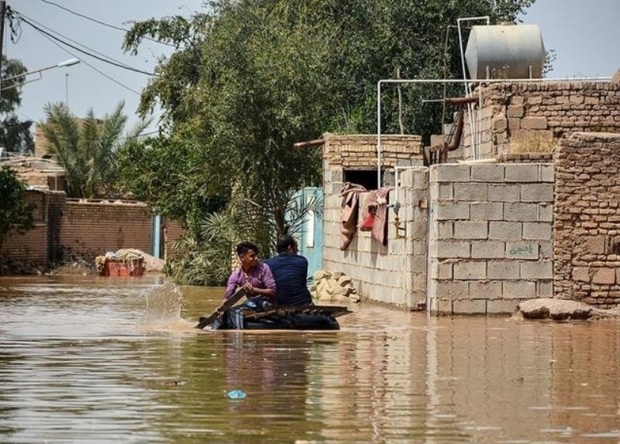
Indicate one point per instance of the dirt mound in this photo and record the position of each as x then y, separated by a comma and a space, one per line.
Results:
151, 263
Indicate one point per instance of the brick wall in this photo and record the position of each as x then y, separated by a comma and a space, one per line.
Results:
532, 117
32, 245
587, 217
93, 228
490, 236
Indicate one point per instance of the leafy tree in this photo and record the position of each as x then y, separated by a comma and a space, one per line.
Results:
14, 134
16, 213
252, 77
87, 148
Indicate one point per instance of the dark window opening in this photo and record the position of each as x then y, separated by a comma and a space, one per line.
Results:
366, 178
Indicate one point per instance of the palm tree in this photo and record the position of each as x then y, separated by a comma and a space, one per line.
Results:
86, 148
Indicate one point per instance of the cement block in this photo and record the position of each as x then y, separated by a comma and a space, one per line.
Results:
518, 289
505, 231
487, 173
544, 289
446, 191
504, 193
547, 173
448, 172
471, 192
498, 307
537, 230
487, 250
445, 230
545, 212
522, 250
441, 306
539, 192
527, 172
450, 289
485, 290
470, 270
442, 271
486, 211
450, 250
502, 270
521, 212
447, 210
536, 270
469, 307
470, 230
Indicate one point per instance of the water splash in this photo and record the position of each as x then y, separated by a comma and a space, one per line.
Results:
163, 308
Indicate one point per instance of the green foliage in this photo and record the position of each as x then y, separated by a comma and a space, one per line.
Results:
87, 148
14, 134
16, 213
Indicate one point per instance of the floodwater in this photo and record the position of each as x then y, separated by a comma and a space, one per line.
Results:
118, 360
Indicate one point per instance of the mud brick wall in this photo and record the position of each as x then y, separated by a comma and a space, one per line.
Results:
31, 246
394, 274
532, 117
359, 151
587, 219
93, 228
490, 236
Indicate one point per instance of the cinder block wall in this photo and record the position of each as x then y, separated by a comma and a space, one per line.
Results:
490, 236
587, 219
520, 117
393, 274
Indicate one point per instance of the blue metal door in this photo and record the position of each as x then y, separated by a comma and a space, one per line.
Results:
309, 233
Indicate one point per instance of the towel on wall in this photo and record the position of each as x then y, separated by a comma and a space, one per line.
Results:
349, 212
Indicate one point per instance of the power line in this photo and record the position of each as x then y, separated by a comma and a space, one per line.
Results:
75, 42
102, 23
92, 67
119, 65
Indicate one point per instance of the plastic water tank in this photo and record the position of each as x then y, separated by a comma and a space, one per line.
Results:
505, 52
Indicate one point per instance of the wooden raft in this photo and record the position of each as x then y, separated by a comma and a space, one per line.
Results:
325, 310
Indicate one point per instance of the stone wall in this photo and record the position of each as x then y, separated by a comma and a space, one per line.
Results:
490, 236
587, 217
532, 117
393, 274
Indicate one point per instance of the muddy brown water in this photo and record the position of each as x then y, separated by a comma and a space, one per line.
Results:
118, 360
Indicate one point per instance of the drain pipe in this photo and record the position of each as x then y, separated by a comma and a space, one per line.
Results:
450, 81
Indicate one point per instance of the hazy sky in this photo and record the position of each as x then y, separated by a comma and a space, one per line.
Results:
584, 34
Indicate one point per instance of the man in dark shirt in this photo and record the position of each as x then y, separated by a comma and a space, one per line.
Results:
290, 271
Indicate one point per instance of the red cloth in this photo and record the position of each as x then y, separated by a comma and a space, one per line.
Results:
377, 203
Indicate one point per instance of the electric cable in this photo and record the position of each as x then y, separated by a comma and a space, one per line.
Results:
75, 42
119, 65
92, 67
118, 28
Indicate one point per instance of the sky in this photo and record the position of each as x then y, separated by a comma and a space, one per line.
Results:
584, 35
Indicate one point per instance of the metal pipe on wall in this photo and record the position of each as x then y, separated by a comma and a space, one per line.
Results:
449, 81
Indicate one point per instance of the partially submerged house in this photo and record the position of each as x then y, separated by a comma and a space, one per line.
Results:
526, 205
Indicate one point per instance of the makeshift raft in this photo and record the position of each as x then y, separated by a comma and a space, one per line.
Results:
313, 317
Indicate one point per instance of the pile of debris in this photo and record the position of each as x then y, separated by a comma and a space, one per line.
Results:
333, 287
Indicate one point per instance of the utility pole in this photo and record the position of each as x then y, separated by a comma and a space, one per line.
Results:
2, 17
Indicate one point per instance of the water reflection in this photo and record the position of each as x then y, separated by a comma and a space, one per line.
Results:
119, 360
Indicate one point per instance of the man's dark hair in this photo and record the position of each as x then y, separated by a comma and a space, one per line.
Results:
284, 242
244, 247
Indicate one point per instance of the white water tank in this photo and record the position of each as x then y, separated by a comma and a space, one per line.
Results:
505, 52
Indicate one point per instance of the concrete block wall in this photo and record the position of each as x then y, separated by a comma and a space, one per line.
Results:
393, 274
490, 236
587, 219
532, 117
